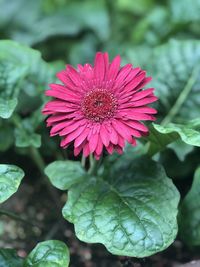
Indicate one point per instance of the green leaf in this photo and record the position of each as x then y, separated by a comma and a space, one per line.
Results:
10, 179
51, 253
19, 67
25, 135
9, 258
131, 208
189, 217
176, 68
64, 174
189, 133
184, 11
158, 141
11, 76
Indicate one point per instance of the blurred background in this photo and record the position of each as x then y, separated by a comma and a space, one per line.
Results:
73, 30
70, 32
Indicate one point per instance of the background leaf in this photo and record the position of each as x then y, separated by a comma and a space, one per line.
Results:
9, 258
50, 253
183, 11
10, 179
64, 174
176, 69
189, 217
131, 209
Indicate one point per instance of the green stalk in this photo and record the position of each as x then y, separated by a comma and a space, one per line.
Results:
18, 218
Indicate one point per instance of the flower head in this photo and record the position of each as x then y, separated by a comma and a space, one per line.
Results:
100, 107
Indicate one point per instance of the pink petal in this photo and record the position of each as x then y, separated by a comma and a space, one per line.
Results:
81, 138
145, 101
142, 94
86, 150
58, 127
114, 68
110, 148
73, 75
93, 141
71, 128
131, 85
122, 129
99, 66
99, 147
136, 125
73, 135
113, 136
104, 135
143, 83
124, 71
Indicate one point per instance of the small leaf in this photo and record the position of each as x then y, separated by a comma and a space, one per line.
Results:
63, 174
189, 133
10, 179
158, 141
131, 209
9, 258
189, 217
51, 253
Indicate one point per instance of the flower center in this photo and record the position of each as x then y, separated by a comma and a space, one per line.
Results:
99, 104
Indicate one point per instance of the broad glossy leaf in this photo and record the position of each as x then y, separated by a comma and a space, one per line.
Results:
64, 174
10, 179
9, 258
131, 208
189, 219
51, 253
176, 68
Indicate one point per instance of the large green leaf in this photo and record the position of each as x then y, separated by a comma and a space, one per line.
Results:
20, 68
64, 174
131, 209
176, 68
9, 258
51, 253
10, 179
185, 11
189, 219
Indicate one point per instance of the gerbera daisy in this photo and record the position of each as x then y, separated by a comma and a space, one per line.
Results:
100, 107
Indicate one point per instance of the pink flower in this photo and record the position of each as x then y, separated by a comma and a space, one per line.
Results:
100, 107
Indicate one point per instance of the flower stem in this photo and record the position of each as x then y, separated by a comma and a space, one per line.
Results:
18, 218
37, 158
83, 161
93, 165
